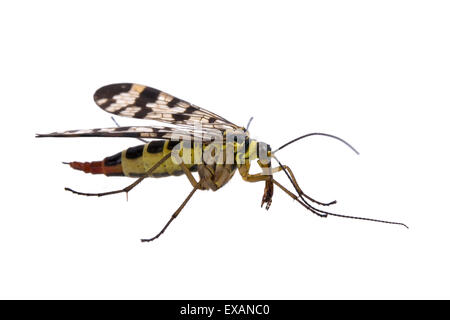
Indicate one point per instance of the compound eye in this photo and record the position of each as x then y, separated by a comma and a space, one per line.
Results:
263, 152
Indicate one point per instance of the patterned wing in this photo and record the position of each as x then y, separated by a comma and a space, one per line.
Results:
154, 132
141, 102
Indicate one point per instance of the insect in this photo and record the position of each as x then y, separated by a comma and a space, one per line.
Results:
197, 141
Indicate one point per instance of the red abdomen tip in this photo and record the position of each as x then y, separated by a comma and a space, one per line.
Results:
94, 167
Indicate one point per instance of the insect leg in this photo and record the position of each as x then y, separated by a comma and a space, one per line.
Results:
174, 215
261, 177
280, 168
188, 174
268, 189
325, 214
296, 198
128, 188
256, 177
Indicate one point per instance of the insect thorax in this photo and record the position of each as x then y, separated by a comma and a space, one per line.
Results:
216, 169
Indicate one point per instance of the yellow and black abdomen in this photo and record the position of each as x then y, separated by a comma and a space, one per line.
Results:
136, 161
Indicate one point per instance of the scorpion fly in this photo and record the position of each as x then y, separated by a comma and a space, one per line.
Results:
198, 140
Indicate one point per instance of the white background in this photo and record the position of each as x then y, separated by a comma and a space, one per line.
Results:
376, 73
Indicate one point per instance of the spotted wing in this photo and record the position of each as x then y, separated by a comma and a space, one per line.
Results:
154, 132
141, 102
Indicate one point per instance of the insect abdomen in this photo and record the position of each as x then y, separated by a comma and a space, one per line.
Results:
110, 166
136, 161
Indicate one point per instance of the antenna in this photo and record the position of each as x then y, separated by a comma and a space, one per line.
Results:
248, 124
317, 134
